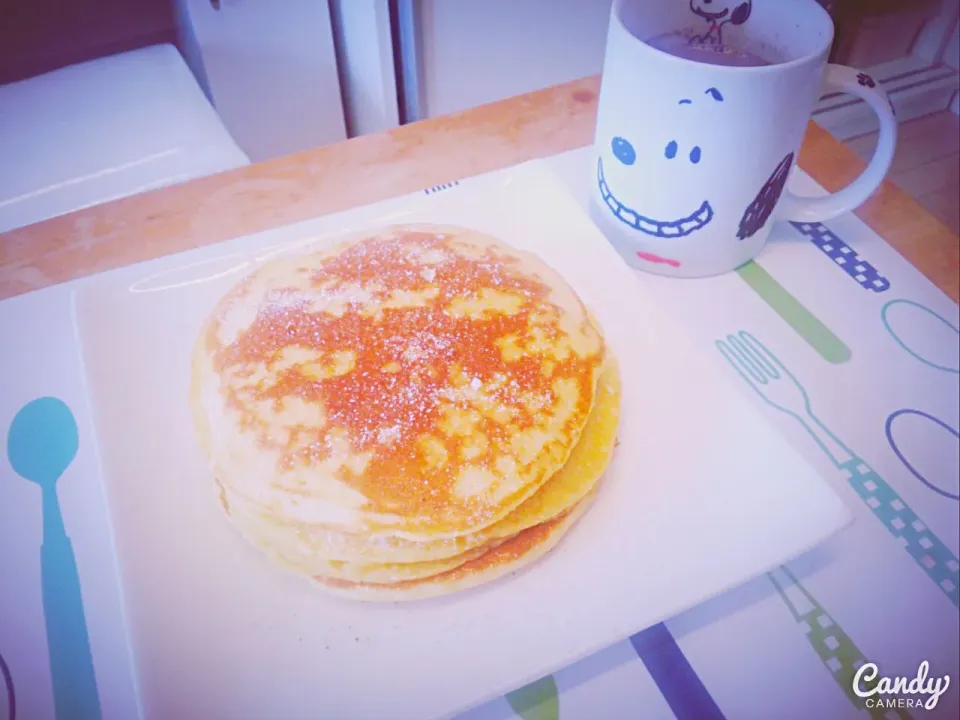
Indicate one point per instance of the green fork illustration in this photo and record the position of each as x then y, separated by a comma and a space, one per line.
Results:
764, 372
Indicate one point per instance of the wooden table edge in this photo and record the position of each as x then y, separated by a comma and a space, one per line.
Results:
409, 158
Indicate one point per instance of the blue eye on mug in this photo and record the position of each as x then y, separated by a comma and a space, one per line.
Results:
623, 151
695, 155
671, 151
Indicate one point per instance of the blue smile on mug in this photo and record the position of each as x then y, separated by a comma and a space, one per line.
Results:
642, 219
624, 151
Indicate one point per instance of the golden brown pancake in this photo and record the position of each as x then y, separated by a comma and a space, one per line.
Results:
312, 549
510, 556
420, 382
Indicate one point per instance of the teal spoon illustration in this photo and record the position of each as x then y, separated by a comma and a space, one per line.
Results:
815, 333
837, 651
771, 380
536, 701
41, 444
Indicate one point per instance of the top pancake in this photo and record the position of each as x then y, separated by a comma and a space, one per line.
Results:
421, 381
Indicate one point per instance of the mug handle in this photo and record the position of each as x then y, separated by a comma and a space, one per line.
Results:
818, 209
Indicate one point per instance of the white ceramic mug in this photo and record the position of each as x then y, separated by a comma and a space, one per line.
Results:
692, 159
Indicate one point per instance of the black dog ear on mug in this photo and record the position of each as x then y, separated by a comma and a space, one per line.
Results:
742, 13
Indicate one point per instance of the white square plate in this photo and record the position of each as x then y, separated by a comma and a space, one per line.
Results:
702, 496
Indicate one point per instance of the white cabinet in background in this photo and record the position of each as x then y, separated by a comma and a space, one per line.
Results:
270, 69
472, 52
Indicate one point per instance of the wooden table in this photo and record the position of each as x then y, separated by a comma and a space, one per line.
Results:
374, 167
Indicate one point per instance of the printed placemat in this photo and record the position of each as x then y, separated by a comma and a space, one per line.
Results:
844, 346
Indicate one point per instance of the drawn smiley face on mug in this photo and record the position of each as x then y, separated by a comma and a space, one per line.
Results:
685, 182
674, 151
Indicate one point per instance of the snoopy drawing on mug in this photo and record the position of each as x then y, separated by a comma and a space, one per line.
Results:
719, 13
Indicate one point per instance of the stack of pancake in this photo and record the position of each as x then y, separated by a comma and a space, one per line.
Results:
405, 413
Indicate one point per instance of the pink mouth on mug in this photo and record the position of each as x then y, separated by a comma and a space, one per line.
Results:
656, 259
649, 226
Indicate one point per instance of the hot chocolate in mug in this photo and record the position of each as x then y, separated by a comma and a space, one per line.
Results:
703, 108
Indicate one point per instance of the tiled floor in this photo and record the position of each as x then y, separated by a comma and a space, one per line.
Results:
927, 163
